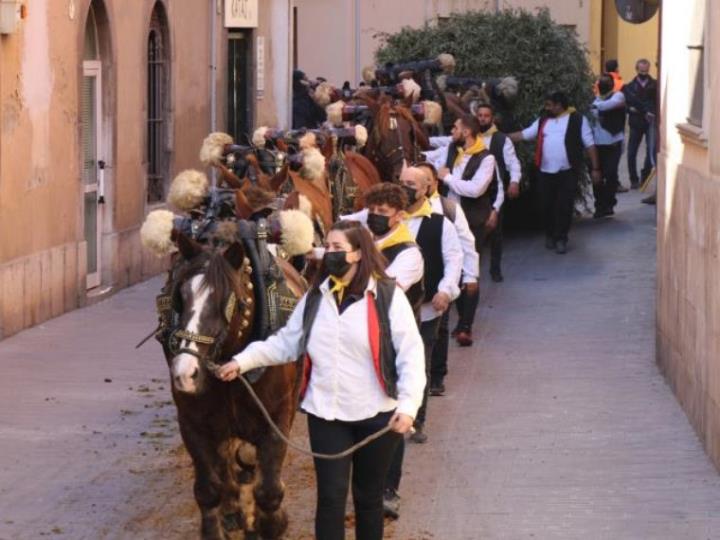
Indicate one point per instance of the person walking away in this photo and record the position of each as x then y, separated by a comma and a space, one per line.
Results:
641, 99
562, 136
470, 275
466, 169
509, 171
613, 69
609, 132
350, 389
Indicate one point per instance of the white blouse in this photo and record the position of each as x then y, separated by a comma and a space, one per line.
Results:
343, 382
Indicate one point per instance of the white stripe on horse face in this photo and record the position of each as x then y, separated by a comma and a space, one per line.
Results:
184, 365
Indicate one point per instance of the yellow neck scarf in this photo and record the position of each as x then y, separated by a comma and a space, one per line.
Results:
400, 235
490, 132
567, 111
477, 147
338, 287
435, 195
425, 210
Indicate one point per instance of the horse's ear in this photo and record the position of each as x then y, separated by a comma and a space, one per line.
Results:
235, 255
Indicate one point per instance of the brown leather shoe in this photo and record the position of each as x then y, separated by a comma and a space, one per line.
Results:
464, 339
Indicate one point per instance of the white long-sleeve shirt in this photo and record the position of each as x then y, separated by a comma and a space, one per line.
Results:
473, 188
471, 259
603, 137
343, 383
554, 154
512, 163
452, 259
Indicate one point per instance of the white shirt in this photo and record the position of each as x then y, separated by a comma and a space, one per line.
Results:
408, 267
471, 259
473, 188
512, 163
452, 259
554, 154
603, 137
343, 383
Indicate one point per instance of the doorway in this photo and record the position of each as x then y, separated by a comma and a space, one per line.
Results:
239, 81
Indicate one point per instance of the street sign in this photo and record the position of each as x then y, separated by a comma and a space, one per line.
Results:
241, 13
637, 11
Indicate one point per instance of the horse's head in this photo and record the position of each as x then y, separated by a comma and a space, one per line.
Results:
213, 305
395, 139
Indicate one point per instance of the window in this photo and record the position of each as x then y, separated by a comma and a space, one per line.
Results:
239, 80
157, 106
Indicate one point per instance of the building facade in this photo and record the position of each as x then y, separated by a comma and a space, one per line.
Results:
357, 25
102, 102
688, 199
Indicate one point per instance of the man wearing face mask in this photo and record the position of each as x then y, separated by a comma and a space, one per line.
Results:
609, 132
563, 136
641, 98
386, 203
466, 169
443, 258
470, 272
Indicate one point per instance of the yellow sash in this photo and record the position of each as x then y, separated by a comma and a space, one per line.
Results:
338, 287
400, 235
425, 210
477, 147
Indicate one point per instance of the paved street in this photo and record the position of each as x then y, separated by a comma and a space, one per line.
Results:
557, 423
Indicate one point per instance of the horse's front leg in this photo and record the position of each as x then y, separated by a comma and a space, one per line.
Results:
210, 472
271, 518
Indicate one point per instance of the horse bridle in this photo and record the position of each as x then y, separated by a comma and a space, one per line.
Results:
237, 314
400, 146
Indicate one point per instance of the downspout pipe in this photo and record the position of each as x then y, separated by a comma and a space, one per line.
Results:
213, 75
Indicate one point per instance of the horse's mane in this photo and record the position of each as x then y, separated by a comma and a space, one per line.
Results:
382, 122
218, 274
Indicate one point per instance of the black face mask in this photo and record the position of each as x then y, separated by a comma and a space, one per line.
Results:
379, 225
411, 195
336, 263
643, 77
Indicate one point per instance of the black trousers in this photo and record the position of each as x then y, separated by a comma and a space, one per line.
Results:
368, 466
429, 333
466, 306
439, 357
557, 196
495, 239
636, 136
609, 155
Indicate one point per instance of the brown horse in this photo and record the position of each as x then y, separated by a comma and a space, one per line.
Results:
214, 303
395, 138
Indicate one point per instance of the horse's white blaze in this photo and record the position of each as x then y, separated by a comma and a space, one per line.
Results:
185, 365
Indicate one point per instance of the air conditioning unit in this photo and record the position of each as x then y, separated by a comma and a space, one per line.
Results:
11, 11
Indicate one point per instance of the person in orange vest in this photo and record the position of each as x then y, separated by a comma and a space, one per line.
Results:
611, 68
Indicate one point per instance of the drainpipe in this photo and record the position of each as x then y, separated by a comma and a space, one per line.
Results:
358, 67
213, 71
497, 6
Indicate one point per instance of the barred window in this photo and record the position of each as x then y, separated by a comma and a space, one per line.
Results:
157, 106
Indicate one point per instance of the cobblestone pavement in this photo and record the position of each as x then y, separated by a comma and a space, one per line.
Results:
556, 425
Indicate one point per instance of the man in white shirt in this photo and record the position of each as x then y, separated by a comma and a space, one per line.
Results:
443, 258
509, 172
609, 131
563, 136
467, 169
470, 274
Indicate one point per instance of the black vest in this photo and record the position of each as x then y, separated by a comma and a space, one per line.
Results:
416, 293
497, 147
387, 369
429, 238
573, 140
477, 209
612, 121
